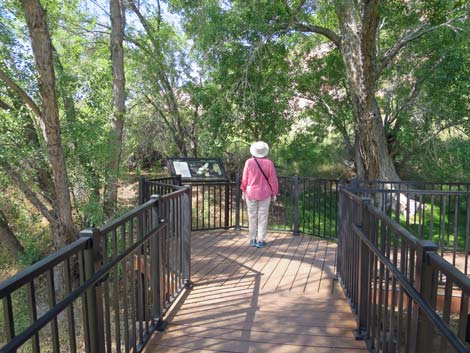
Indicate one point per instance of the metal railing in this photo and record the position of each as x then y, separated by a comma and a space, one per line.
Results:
107, 291
305, 205
441, 215
406, 296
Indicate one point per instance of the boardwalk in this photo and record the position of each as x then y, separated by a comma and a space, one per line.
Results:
282, 298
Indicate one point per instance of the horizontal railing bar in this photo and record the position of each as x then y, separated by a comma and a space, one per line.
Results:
209, 183
174, 194
414, 182
159, 183
310, 178
162, 179
415, 191
352, 196
450, 271
33, 271
18, 340
413, 293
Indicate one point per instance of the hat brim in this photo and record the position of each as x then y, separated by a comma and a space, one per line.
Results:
259, 154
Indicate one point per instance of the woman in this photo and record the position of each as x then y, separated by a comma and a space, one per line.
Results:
259, 187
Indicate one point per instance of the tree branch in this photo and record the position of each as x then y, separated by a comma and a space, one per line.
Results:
406, 102
21, 93
306, 28
30, 194
407, 38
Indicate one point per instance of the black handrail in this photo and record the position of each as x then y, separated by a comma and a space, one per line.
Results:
116, 282
399, 286
414, 295
305, 205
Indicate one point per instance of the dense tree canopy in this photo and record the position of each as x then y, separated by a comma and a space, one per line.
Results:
377, 89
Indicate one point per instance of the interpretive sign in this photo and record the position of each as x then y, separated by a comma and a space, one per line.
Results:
197, 168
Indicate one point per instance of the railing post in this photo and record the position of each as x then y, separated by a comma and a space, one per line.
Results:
340, 220
426, 284
296, 204
237, 201
186, 240
156, 264
178, 180
93, 318
363, 272
227, 205
142, 196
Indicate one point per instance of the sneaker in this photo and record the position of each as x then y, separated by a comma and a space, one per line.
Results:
261, 244
253, 243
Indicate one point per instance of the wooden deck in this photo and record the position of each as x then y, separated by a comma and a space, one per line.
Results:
282, 298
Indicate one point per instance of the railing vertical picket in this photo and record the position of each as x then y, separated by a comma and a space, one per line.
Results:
107, 301
227, 205
182, 210
393, 305
197, 206
155, 259
295, 190
125, 289
70, 314
467, 232
33, 316
318, 210
140, 286
51, 298
456, 229
186, 237
144, 272
237, 201
171, 247
363, 272
133, 297
142, 189
442, 216
116, 296
203, 205
464, 319
324, 194
431, 220
9, 319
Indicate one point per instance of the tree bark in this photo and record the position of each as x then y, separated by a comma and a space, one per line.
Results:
358, 25
42, 50
8, 238
119, 108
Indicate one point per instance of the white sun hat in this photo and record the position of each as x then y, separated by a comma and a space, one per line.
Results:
259, 149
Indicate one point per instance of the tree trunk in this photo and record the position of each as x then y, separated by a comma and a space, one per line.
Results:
119, 107
358, 25
8, 238
42, 50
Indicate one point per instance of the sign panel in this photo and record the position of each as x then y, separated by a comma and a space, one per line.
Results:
197, 168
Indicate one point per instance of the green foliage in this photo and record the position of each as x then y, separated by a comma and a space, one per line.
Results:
28, 226
442, 160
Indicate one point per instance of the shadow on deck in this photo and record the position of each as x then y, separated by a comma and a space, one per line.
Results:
282, 298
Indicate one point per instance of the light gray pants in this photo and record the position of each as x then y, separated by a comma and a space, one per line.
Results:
258, 213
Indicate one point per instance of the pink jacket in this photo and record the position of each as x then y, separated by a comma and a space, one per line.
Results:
254, 184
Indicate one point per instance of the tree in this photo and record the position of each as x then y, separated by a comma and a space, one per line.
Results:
119, 105
163, 83
49, 116
8, 238
370, 36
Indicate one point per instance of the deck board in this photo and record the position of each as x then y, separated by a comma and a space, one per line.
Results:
282, 298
